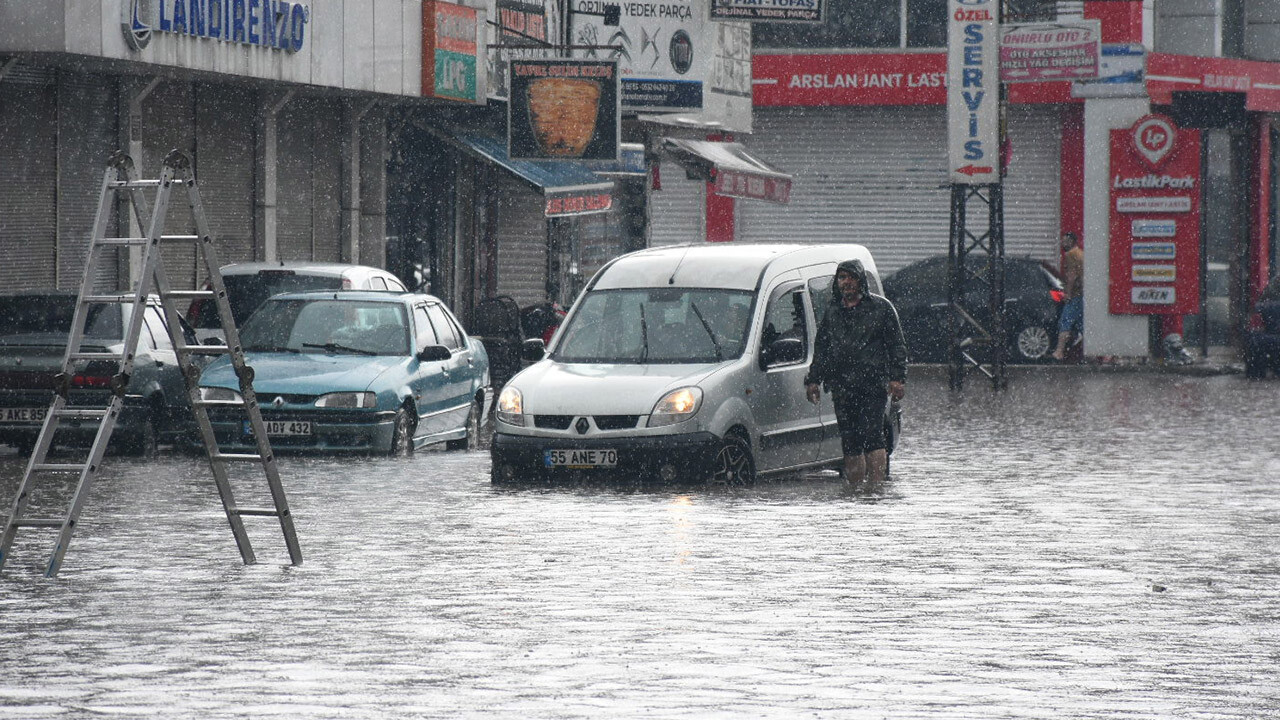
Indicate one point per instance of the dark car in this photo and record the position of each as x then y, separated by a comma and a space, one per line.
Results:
1033, 297
34, 329
1262, 342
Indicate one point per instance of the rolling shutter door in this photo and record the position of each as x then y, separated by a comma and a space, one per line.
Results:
28, 167
309, 159
87, 135
169, 122
677, 212
521, 230
326, 168
225, 165
877, 176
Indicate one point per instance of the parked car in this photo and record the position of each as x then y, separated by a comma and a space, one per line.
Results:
1033, 298
1262, 341
249, 284
361, 371
34, 330
682, 363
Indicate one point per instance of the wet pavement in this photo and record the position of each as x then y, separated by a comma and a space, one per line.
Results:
1085, 545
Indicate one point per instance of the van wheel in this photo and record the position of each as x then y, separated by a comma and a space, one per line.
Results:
733, 464
472, 440
402, 434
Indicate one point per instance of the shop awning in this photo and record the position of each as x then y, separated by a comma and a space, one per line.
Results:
569, 186
733, 171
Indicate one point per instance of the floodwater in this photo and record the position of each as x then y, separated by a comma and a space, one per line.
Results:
1082, 546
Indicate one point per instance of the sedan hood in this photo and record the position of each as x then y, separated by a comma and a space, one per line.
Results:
553, 388
303, 374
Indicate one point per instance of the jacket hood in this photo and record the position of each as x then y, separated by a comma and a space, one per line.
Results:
855, 268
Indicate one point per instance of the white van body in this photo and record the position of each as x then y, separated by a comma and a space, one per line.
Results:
574, 412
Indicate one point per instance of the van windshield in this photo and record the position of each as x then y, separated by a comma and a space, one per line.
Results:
657, 325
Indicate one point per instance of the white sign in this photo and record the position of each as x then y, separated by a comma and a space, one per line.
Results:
973, 91
1153, 251
1153, 204
1120, 73
1050, 51
1153, 296
1153, 228
1154, 273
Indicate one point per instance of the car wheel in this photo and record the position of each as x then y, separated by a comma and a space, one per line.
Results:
733, 464
402, 434
144, 443
1032, 342
472, 440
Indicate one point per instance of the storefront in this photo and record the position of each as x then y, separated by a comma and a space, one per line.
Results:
280, 112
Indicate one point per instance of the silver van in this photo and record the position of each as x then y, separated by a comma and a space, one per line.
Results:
685, 363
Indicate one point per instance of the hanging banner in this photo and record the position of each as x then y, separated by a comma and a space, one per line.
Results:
451, 35
809, 11
563, 109
1050, 51
973, 91
1155, 193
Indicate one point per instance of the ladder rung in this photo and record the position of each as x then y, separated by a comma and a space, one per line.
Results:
219, 403
96, 356
38, 522
121, 184
205, 349
58, 467
179, 238
129, 241
237, 457
189, 294
82, 413
265, 512
114, 298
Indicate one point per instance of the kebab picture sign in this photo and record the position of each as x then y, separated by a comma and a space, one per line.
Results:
562, 109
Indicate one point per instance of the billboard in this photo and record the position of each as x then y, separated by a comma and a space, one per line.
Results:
973, 91
450, 38
563, 109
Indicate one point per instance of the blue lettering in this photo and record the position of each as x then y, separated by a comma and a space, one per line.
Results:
237, 20
255, 15
297, 27
282, 22
180, 16
215, 18
973, 33
196, 26
269, 23
165, 26
973, 150
971, 77
972, 54
973, 100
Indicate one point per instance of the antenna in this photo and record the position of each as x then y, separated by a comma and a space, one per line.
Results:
672, 280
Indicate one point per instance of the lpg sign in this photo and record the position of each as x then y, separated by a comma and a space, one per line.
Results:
450, 36
1155, 192
973, 91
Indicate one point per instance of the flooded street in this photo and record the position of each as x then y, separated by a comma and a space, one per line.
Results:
1082, 546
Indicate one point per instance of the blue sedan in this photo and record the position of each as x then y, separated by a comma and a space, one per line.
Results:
357, 371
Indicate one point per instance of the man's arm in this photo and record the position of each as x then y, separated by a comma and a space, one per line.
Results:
896, 350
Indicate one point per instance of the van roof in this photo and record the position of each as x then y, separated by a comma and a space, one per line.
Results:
328, 269
731, 266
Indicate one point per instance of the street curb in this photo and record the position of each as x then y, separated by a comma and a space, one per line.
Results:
1098, 366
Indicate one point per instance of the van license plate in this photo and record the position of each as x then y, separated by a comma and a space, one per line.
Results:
279, 428
580, 458
23, 415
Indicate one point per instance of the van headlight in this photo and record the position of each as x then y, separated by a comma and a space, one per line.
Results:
217, 394
510, 406
347, 400
676, 406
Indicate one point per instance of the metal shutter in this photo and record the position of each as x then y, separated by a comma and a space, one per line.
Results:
521, 230
877, 176
677, 212
28, 167
326, 168
169, 122
309, 198
87, 135
225, 124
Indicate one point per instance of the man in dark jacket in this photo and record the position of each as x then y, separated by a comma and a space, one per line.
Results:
860, 356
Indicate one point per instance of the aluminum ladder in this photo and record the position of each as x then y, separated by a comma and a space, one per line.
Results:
119, 179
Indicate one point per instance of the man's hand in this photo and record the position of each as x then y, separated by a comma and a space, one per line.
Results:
813, 391
897, 389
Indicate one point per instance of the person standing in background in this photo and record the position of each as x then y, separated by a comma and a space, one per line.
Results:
1072, 318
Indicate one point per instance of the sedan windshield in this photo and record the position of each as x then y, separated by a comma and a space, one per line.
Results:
657, 325
328, 326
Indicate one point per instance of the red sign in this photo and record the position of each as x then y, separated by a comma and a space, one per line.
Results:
731, 183
871, 79
569, 203
1259, 81
1155, 219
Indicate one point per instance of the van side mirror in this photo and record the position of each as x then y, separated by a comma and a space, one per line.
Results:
783, 351
213, 340
533, 350
434, 353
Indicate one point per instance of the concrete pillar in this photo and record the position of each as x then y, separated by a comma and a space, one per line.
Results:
133, 92
266, 169
1104, 333
353, 113
373, 188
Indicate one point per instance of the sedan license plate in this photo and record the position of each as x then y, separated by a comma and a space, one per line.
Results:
580, 458
23, 415
282, 427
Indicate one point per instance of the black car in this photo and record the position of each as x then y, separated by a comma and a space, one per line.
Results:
1033, 298
34, 330
1262, 342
